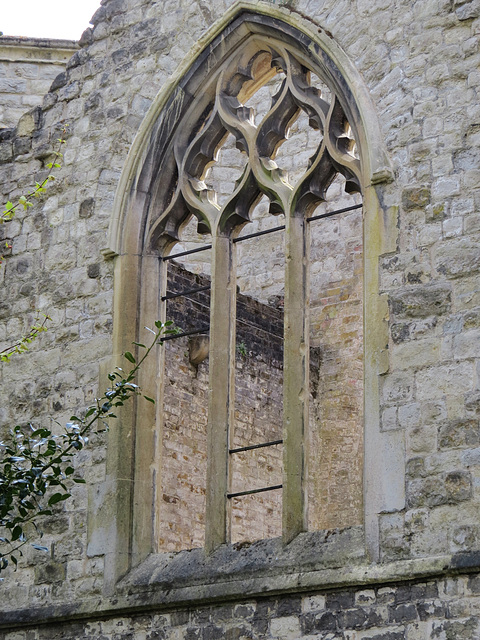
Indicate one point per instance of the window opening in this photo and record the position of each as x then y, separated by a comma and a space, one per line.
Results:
229, 165
182, 491
335, 461
233, 169
256, 452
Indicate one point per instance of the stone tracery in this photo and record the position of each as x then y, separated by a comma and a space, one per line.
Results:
226, 113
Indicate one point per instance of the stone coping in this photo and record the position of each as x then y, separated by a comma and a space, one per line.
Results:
36, 50
313, 562
46, 43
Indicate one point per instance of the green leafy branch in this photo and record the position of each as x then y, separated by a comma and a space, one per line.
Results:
35, 461
24, 201
22, 344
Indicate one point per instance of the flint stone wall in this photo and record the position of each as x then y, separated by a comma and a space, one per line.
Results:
419, 61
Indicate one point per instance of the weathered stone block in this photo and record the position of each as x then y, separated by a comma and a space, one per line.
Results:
458, 485
59, 82
6, 151
457, 257
451, 379
415, 198
459, 433
421, 301
22, 146
469, 10
312, 622
435, 212
86, 208
49, 572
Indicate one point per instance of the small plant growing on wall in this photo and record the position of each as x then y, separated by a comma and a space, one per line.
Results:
37, 466
242, 349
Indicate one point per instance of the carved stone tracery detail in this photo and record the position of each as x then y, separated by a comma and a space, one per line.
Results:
223, 111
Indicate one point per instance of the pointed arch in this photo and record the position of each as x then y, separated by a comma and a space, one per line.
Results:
242, 21
140, 231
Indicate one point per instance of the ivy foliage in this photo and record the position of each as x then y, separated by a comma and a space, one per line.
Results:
37, 467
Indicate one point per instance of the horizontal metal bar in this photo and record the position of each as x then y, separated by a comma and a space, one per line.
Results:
265, 232
255, 446
334, 213
170, 296
185, 333
249, 493
187, 253
259, 233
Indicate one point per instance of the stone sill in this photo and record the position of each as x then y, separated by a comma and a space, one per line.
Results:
313, 562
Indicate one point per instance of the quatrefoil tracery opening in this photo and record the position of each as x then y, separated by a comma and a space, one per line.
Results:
239, 149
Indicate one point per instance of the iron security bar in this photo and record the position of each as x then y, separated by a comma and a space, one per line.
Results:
170, 296
185, 333
259, 233
249, 493
262, 233
187, 253
334, 213
255, 446
311, 219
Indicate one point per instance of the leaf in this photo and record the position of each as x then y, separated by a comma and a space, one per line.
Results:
58, 497
149, 399
79, 480
16, 533
139, 344
129, 357
39, 547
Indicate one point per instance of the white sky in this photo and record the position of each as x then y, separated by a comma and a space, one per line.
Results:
46, 18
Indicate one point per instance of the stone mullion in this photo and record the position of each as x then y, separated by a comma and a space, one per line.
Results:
296, 377
160, 424
221, 388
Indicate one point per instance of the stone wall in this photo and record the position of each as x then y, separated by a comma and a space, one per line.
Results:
28, 67
419, 63
422, 610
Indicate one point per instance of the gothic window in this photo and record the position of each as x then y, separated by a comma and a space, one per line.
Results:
300, 190
267, 125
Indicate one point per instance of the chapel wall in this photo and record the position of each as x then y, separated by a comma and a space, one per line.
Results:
420, 69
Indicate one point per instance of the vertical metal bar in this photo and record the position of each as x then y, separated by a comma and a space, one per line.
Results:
296, 376
221, 389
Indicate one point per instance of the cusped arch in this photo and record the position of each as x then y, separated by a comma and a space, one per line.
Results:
148, 178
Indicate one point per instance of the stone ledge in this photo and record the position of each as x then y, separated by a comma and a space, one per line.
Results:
169, 581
